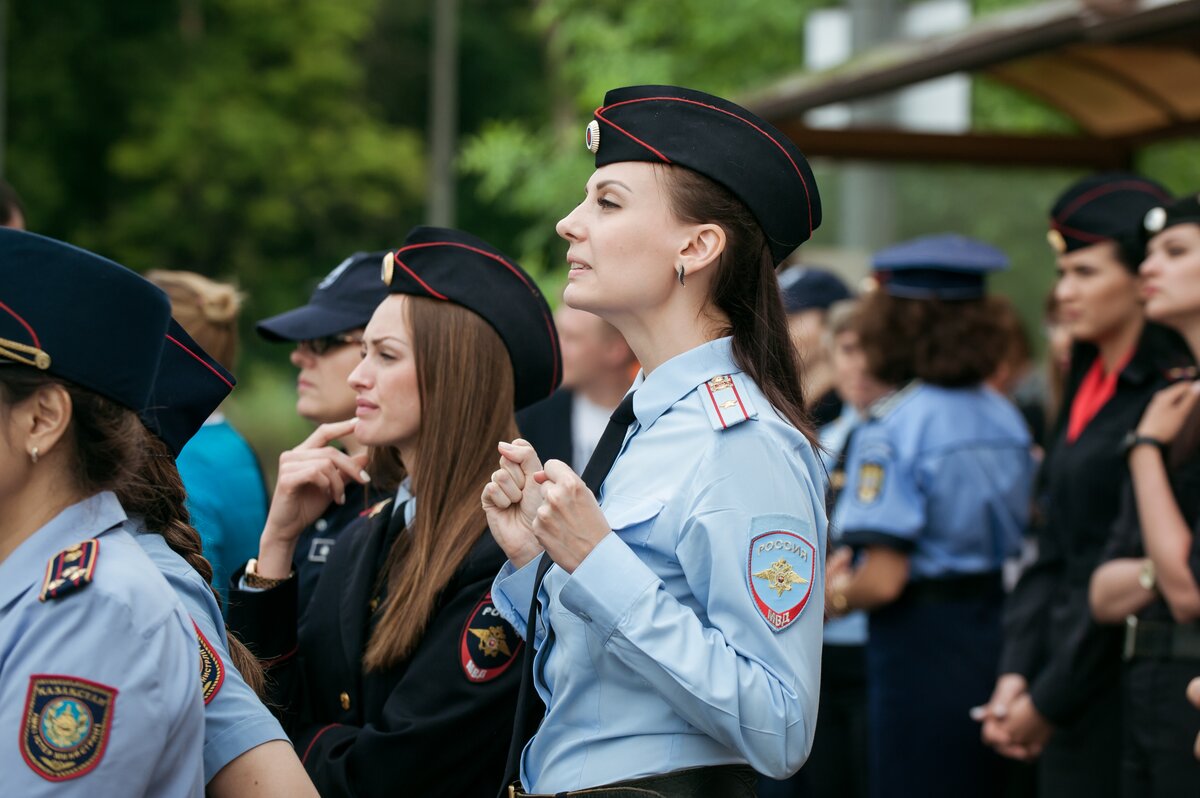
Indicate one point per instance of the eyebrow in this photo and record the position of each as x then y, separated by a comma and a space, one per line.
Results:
382, 338
611, 182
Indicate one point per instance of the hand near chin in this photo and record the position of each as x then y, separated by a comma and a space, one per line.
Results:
511, 500
569, 523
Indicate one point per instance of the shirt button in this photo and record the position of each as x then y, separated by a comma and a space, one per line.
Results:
373, 604
345, 699
583, 616
321, 524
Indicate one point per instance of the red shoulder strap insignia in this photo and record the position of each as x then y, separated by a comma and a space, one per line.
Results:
375, 509
70, 570
212, 669
725, 402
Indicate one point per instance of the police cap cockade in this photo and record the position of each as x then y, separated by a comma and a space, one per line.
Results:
720, 140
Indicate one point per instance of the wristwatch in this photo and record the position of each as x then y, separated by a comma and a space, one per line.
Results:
1147, 576
262, 582
1132, 440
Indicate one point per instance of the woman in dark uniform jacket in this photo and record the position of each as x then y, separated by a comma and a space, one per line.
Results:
1153, 563
399, 679
1058, 693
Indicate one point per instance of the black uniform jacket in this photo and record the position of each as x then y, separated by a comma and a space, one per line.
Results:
547, 425
1050, 637
437, 724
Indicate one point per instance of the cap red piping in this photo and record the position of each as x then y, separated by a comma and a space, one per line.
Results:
1090, 196
413, 275
503, 262
768, 136
1081, 234
36, 342
202, 362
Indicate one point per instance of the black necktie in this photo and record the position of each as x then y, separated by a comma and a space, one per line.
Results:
529, 705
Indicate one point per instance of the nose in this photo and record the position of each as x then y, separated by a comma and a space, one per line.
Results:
1150, 266
301, 358
358, 378
1064, 289
568, 227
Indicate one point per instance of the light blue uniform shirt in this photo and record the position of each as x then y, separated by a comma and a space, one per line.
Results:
98, 687
942, 474
850, 629
671, 648
235, 720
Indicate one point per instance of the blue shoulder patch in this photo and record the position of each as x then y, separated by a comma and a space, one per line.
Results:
66, 725
781, 568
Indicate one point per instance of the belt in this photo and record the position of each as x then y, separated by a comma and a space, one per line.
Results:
716, 781
954, 588
1161, 640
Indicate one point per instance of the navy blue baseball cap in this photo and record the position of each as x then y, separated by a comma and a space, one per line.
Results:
343, 301
807, 288
457, 267
80, 317
188, 387
1104, 207
720, 140
943, 266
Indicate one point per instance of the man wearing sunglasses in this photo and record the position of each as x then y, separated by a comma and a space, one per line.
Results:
327, 333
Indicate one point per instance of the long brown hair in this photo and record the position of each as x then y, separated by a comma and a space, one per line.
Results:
465, 383
158, 497
746, 289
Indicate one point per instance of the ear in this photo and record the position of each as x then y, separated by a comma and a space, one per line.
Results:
702, 249
43, 418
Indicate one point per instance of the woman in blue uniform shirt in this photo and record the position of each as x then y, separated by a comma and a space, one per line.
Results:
679, 628
936, 498
98, 687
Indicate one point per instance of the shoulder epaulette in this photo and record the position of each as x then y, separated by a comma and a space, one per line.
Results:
726, 401
375, 509
70, 570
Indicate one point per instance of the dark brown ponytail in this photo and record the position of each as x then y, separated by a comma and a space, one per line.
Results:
746, 289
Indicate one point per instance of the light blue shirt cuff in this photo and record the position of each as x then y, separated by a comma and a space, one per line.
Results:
512, 593
255, 730
606, 585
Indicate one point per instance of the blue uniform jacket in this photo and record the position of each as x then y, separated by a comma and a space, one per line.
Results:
98, 687
691, 635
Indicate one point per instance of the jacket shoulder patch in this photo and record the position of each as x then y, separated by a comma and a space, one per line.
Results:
70, 570
212, 669
489, 645
726, 401
65, 725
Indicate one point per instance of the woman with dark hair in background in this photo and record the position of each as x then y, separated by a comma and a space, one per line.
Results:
936, 499
399, 677
1058, 694
98, 681
226, 494
1152, 565
679, 642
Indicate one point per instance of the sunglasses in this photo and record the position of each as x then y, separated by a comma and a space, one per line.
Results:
319, 346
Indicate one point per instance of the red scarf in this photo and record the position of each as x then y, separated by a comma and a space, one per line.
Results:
1093, 394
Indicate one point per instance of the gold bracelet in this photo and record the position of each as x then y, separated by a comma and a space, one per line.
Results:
262, 582
837, 600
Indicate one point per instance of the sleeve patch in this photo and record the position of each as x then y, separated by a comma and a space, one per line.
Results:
66, 725
70, 570
489, 645
212, 669
726, 402
782, 567
871, 476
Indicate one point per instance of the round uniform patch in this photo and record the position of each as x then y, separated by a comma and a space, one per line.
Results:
66, 725
212, 670
870, 482
489, 644
781, 570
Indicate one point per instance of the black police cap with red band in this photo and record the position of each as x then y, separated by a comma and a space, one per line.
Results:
189, 386
720, 140
1104, 207
80, 317
454, 266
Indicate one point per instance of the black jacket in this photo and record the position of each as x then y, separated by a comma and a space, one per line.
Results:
437, 724
547, 425
1049, 635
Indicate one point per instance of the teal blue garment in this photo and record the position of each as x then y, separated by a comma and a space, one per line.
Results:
226, 497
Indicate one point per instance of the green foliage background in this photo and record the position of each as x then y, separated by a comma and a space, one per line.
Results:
264, 140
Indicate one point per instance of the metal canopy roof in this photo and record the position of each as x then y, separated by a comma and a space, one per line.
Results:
1127, 72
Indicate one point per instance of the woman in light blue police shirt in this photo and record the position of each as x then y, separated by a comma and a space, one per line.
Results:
98, 669
678, 634
936, 498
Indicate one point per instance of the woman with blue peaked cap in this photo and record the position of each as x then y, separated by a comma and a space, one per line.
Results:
674, 592
99, 692
245, 750
400, 678
936, 498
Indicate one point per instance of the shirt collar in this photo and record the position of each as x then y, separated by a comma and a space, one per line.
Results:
885, 405
89, 518
679, 376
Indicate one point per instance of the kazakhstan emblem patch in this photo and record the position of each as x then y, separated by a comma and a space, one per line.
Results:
781, 570
489, 644
66, 725
212, 670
